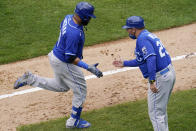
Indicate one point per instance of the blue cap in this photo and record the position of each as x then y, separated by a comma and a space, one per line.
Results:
134, 22
85, 10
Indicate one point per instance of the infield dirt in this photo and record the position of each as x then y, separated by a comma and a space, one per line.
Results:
112, 89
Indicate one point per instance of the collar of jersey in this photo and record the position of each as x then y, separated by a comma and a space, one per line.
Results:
73, 24
144, 31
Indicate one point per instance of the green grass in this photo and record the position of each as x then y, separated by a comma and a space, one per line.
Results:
29, 28
132, 116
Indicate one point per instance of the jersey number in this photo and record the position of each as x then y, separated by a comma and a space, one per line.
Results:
63, 30
161, 47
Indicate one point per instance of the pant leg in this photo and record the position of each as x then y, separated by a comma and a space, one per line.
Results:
48, 84
157, 102
78, 83
67, 76
71, 77
53, 84
174, 80
79, 92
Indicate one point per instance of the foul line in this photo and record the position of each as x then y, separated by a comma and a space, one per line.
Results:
92, 76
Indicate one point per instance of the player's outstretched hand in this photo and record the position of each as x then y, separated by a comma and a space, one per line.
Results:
93, 69
117, 63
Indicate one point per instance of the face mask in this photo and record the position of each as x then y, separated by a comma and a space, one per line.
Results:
85, 21
132, 36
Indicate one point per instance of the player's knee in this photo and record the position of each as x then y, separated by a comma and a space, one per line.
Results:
64, 89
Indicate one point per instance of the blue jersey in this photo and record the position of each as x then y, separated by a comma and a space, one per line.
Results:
71, 40
147, 45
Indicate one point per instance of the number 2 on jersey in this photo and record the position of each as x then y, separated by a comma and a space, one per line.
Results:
161, 49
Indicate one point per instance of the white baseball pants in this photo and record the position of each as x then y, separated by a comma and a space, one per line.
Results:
66, 76
157, 102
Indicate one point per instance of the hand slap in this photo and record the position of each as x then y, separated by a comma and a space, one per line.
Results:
93, 69
117, 63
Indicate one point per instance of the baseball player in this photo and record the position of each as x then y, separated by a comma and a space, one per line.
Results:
65, 60
155, 64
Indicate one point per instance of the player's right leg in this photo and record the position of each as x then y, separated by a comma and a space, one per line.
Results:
77, 84
75, 121
157, 102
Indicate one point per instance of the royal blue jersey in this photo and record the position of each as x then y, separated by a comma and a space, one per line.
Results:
71, 40
148, 44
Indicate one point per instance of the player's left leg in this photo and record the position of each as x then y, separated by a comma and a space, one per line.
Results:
52, 84
157, 102
33, 80
77, 84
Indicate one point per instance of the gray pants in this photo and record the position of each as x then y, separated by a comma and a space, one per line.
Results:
67, 76
157, 102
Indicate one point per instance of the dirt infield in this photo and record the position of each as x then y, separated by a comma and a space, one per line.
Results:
112, 89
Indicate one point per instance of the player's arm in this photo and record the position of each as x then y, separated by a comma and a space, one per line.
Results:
71, 50
91, 68
126, 63
131, 63
75, 62
151, 65
150, 58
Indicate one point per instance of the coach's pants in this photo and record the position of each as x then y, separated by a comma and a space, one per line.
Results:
67, 76
157, 102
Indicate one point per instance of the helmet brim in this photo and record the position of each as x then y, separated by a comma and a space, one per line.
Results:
126, 27
92, 16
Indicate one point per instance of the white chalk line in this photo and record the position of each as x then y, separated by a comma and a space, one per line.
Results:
92, 76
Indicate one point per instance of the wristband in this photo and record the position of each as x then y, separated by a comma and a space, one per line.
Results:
82, 64
151, 81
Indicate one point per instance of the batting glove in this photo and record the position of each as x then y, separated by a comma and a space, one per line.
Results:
93, 69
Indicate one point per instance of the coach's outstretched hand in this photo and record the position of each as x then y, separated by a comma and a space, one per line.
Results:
118, 63
93, 69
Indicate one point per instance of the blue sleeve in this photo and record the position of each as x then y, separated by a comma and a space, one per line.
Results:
146, 48
131, 63
72, 41
82, 64
151, 65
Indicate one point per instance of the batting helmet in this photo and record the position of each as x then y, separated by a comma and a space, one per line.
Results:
85, 10
134, 22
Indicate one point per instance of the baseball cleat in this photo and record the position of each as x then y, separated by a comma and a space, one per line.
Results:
22, 81
79, 124
83, 124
